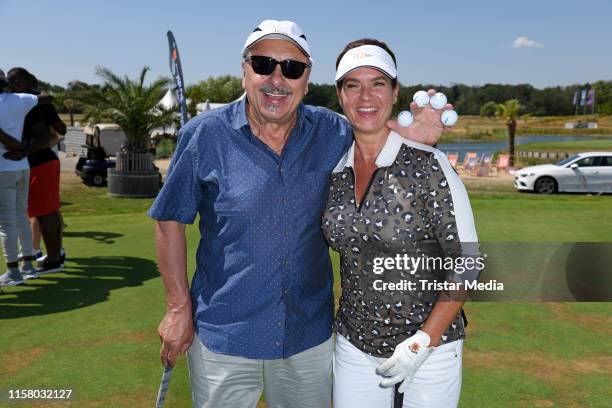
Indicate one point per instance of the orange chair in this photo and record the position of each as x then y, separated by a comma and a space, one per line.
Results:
503, 162
452, 158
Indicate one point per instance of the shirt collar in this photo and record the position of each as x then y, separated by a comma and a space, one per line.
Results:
385, 158
240, 117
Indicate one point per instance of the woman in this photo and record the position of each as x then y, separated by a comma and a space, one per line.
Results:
392, 198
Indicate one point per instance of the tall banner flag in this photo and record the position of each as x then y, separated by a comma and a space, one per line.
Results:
177, 74
591, 99
583, 95
575, 100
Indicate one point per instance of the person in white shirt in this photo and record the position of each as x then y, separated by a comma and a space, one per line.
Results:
14, 181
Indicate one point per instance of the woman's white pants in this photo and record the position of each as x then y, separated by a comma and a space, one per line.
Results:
437, 383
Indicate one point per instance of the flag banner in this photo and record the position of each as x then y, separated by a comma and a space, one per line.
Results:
575, 100
177, 74
583, 95
591, 98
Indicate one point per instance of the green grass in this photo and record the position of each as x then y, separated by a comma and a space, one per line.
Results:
569, 146
93, 327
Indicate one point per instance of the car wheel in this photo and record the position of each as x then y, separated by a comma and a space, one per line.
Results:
545, 185
97, 180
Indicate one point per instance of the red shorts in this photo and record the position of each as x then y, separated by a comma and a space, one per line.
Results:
43, 197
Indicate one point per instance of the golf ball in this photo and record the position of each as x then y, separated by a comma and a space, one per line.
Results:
405, 118
438, 101
449, 117
421, 98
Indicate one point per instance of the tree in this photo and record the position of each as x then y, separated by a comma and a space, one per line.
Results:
509, 111
221, 89
68, 100
129, 104
488, 109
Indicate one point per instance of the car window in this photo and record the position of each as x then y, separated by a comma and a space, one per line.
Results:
566, 160
587, 162
605, 161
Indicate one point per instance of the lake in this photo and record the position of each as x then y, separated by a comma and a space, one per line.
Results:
481, 147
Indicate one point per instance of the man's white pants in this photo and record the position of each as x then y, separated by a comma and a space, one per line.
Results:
14, 223
437, 383
300, 381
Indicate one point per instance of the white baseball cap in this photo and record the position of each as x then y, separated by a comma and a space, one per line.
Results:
371, 56
280, 30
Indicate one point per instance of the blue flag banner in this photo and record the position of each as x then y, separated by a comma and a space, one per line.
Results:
583, 95
177, 74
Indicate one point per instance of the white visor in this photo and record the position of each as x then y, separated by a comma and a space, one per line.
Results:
371, 56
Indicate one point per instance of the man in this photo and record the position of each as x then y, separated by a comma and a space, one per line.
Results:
256, 171
14, 177
43, 200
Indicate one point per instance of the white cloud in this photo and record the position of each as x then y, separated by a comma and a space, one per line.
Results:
523, 42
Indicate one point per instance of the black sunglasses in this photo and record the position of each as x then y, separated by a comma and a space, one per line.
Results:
291, 69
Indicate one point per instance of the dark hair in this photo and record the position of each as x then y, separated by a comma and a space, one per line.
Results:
359, 43
25, 74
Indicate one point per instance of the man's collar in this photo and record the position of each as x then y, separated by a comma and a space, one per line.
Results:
240, 117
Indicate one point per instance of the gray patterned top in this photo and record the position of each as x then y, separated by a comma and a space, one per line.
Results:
416, 205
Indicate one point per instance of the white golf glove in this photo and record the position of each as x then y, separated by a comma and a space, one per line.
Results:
408, 356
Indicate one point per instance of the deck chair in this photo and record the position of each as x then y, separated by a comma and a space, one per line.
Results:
452, 158
469, 160
503, 162
483, 167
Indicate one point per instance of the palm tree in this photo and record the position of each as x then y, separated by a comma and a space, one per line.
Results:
509, 111
129, 104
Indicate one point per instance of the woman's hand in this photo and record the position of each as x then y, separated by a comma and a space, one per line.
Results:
408, 356
427, 126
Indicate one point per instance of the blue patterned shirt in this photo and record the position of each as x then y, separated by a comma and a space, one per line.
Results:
263, 282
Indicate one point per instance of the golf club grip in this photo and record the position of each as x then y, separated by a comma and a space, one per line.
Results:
398, 398
163, 387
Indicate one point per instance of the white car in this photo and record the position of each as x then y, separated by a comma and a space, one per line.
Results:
585, 172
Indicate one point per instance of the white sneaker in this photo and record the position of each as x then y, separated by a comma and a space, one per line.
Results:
28, 271
11, 278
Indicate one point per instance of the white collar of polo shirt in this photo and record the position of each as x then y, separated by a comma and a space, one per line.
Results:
387, 154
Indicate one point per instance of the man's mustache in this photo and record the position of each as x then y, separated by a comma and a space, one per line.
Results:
275, 90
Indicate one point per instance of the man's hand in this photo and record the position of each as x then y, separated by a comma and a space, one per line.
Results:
14, 155
176, 334
176, 328
408, 356
10, 142
427, 126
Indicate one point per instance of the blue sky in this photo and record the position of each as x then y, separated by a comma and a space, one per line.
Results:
439, 42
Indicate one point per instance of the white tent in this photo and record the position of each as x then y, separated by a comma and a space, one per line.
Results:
169, 100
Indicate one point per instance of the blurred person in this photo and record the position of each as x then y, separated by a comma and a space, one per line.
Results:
43, 200
14, 182
34, 224
391, 196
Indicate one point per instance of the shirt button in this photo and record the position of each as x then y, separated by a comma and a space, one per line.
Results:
285, 262
286, 292
280, 324
277, 343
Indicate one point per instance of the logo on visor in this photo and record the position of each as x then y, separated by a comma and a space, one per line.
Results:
361, 54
